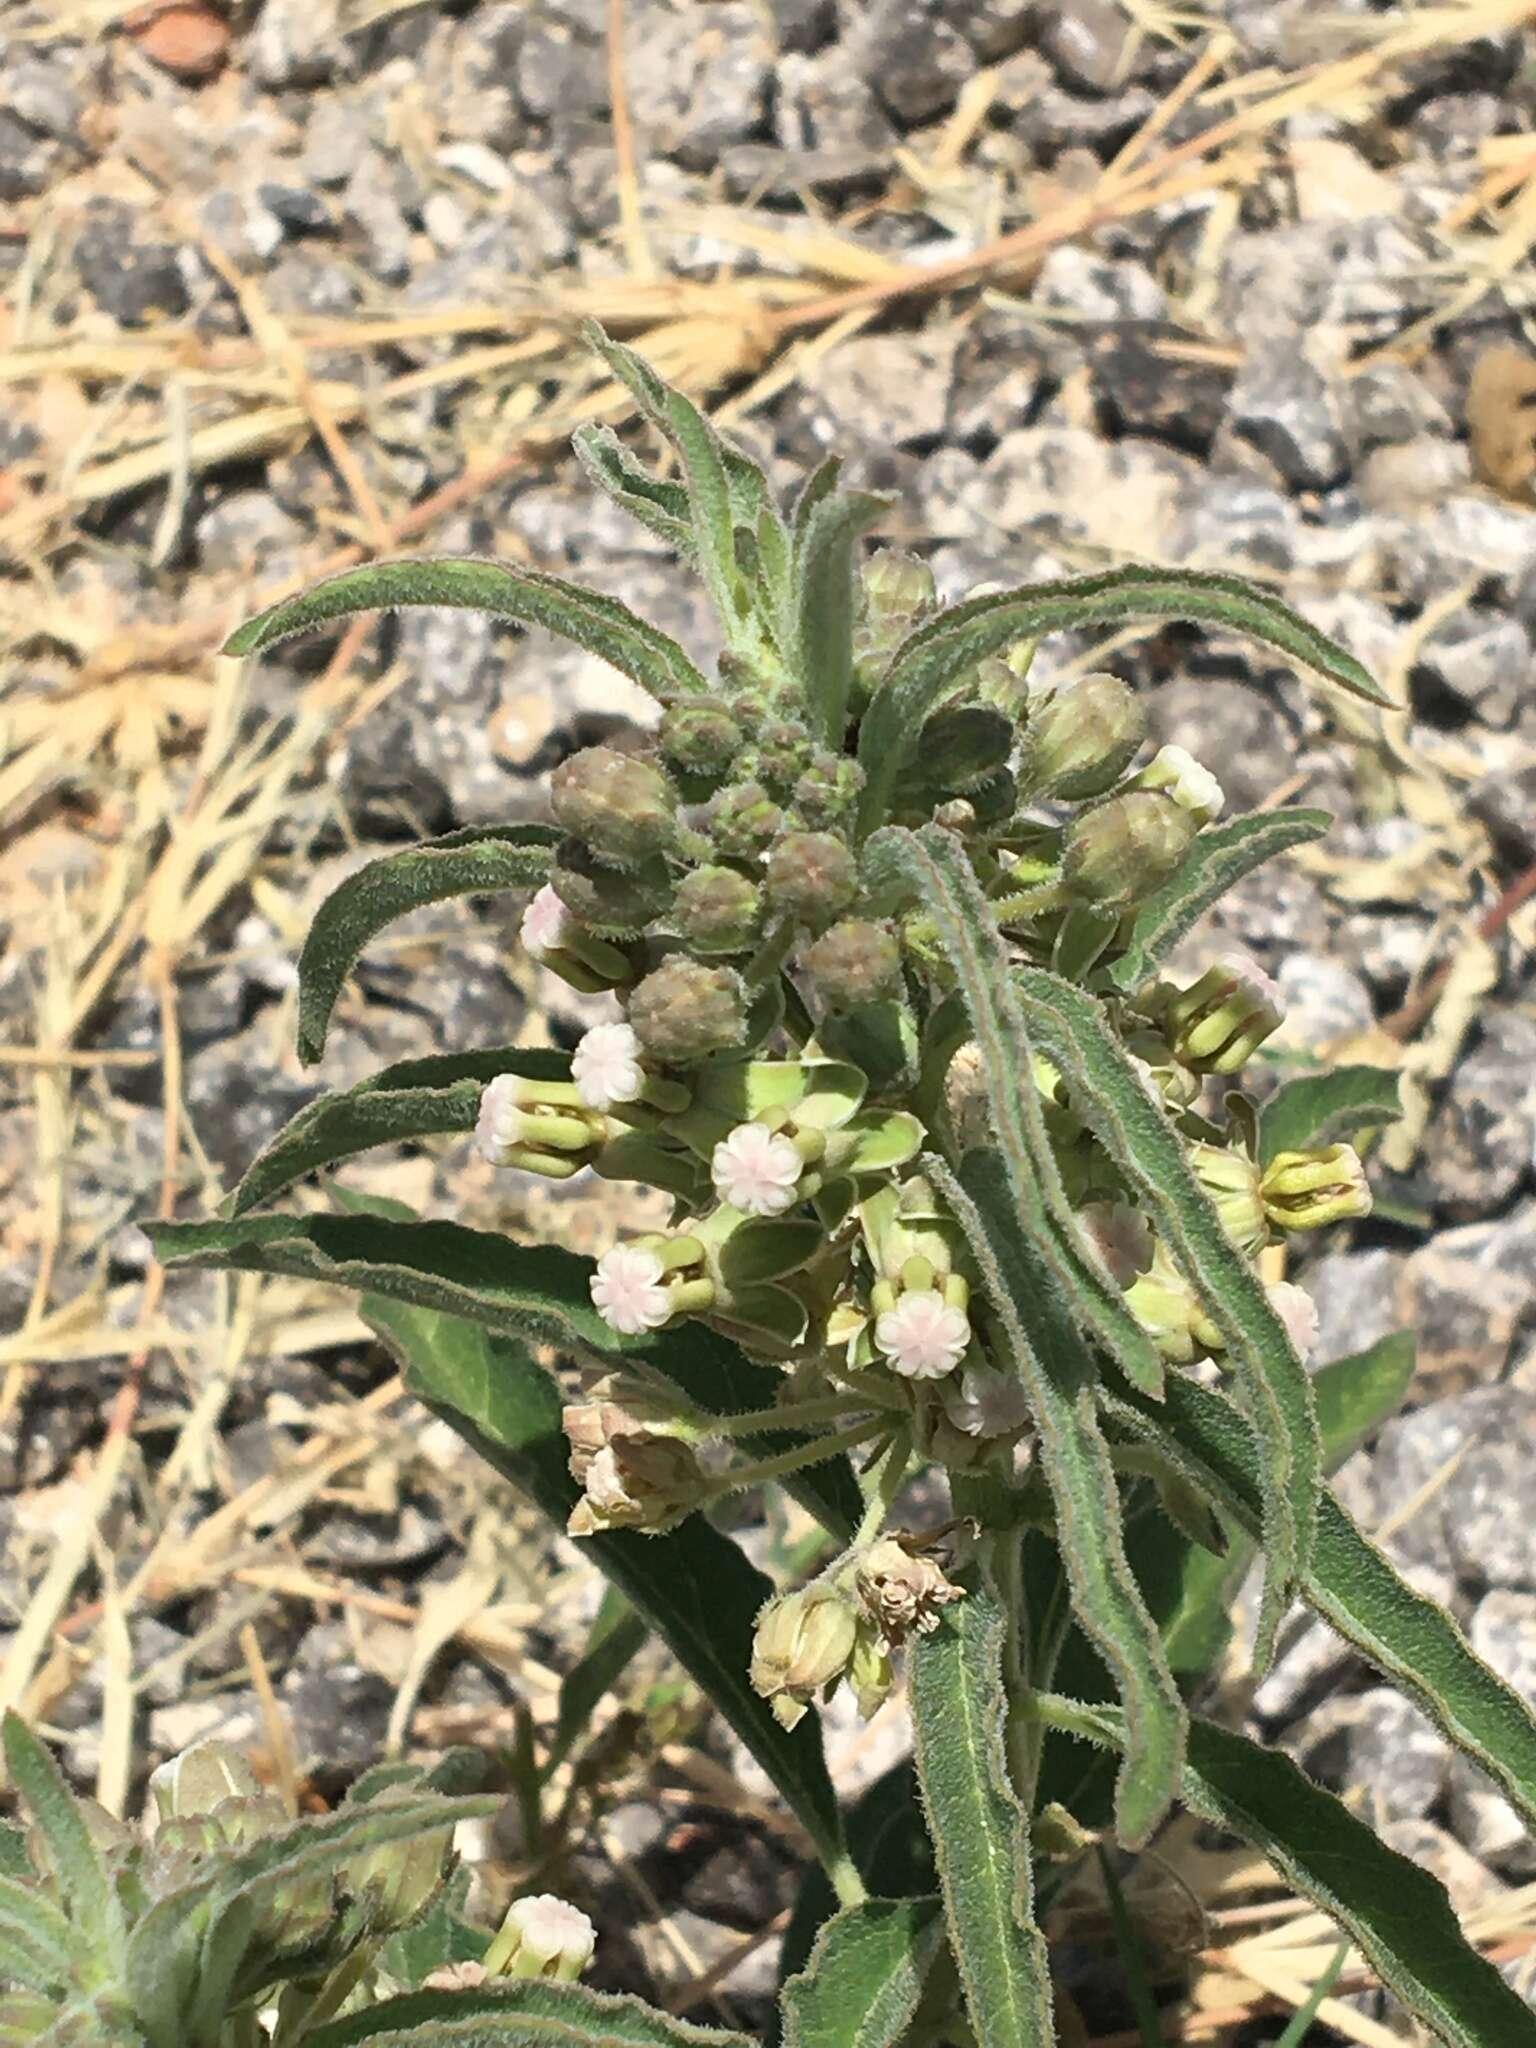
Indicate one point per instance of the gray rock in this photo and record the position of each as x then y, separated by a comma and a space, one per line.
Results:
878, 391
561, 76
1096, 288
1455, 537
1146, 385
1048, 121
828, 119
1396, 1755
1465, 1460
1464, 1313
1480, 659
236, 1098
1289, 412
1092, 43
374, 214
1481, 1141
295, 43
1353, 277
742, 1883
1324, 1000
29, 162
335, 147
698, 80
1356, 1295
914, 55
1386, 403
249, 534
1505, 801
337, 1712
133, 279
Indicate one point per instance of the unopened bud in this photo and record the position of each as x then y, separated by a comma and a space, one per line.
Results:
959, 749
1118, 853
542, 1936
902, 1591
685, 1011
984, 1403
783, 754
853, 963
828, 790
896, 587
869, 1672
614, 902
1181, 777
1305, 1190
1121, 1236
812, 877
1232, 1181
700, 739
1217, 1023
395, 1882
718, 910
1169, 1310
623, 808
614, 1408
1080, 741
200, 1779
801, 1646
743, 820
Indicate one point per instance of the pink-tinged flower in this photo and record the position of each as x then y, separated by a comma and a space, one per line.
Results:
1122, 1237
546, 923
500, 1123
606, 1066
983, 1403
1191, 785
543, 1936
922, 1336
756, 1170
629, 1290
1298, 1311
1249, 979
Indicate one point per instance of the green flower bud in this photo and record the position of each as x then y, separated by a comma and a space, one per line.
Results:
620, 806
394, 1883
1118, 853
812, 877
245, 1821
869, 1672
182, 1848
743, 820
613, 902
897, 588
783, 755
542, 1936
1305, 1190
1170, 1311
802, 1645
718, 910
1232, 1181
700, 739
200, 1779
1080, 742
1216, 1023
685, 1011
828, 790
958, 748
853, 963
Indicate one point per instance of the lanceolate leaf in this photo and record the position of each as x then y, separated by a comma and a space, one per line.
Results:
518, 2013
1107, 1093
824, 585
936, 870
866, 1976
1398, 1914
465, 863
1320, 1109
1219, 857
979, 1829
83, 1877
934, 658
1059, 1378
539, 1293
600, 624
414, 1099
654, 501
695, 1586
1410, 1638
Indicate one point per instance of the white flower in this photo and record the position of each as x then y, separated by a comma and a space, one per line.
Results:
629, 1292
606, 1066
1250, 977
1192, 787
984, 1403
922, 1336
546, 923
499, 1125
545, 1936
1122, 1237
1298, 1311
756, 1170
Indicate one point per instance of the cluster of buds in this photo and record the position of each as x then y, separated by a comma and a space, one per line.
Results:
635, 1469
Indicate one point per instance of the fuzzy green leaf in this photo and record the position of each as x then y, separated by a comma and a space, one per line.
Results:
824, 606
518, 2013
84, 1882
1059, 1378
503, 590
412, 1099
1218, 858
1398, 1914
866, 1976
654, 501
538, 1292
1134, 1129
934, 658
37, 1934
1408, 1637
1356, 1395
980, 1831
1321, 1109
935, 869
471, 862
695, 1586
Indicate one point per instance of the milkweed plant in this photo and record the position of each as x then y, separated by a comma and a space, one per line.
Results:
962, 1180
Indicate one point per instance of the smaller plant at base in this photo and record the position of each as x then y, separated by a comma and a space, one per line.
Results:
962, 1176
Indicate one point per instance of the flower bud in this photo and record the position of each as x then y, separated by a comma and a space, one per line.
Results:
718, 910
1231, 1179
644, 1482
542, 1936
700, 739
958, 749
1080, 741
685, 1011
1164, 1078
1215, 1024
1169, 1310
869, 1672
395, 1882
614, 1408
897, 590
901, 1590
1118, 853
853, 963
802, 1645
743, 820
615, 902
812, 877
1305, 1190
619, 805
828, 790
1121, 1236
555, 939
783, 754
200, 1779
1181, 777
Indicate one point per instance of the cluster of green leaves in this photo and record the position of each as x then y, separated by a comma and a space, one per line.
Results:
1066, 1674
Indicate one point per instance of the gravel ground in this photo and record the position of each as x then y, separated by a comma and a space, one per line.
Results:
1243, 286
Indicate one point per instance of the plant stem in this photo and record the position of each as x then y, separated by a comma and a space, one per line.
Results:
843, 1875
1003, 1559
795, 1415
813, 1453
881, 1483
